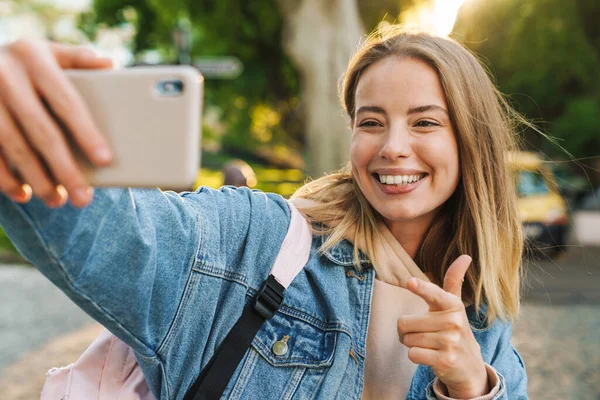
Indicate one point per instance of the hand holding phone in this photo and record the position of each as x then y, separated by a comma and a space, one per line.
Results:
34, 142
30, 140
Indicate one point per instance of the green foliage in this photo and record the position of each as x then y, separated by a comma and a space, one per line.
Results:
249, 30
5, 244
578, 127
282, 181
545, 55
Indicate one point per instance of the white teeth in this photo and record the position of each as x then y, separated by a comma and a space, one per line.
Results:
400, 179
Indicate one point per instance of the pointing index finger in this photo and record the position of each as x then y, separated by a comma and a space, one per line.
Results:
434, 296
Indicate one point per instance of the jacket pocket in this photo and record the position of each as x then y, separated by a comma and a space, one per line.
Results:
289, 357
286, 341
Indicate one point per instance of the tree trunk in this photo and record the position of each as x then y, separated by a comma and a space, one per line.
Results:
320, 36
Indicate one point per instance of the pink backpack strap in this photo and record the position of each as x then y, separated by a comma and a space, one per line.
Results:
108, 369
295, 249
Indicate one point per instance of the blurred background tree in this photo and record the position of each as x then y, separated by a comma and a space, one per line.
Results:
255, 116
545, 55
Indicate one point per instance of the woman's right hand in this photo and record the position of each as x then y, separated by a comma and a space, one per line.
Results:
30, 140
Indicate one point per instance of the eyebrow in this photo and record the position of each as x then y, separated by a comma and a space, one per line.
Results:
415, 110
429, 107
374, 109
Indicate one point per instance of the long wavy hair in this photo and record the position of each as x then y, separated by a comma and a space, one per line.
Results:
481, 217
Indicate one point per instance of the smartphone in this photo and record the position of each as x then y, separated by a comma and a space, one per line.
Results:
151, 119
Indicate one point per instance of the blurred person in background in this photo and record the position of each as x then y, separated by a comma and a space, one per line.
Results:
238, 173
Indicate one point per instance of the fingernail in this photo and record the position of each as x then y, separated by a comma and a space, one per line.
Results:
20, 195
83, 196
58, 199
103, 155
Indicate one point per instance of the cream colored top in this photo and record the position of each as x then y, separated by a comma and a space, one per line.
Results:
388, 371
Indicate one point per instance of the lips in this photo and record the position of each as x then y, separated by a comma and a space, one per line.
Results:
401, 188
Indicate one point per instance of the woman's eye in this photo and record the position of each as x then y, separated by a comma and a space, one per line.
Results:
369, 124
426, 124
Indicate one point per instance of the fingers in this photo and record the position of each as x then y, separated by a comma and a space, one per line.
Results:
66, 102
11, 186
79, 57
419, 323
17, 151
434, 296
422, 356
427, 340
46, 139
431, 322
455, 275
439, 340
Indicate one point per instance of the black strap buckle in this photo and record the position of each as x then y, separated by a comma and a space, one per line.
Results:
269, 297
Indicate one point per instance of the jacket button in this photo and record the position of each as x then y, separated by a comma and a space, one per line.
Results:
280, 347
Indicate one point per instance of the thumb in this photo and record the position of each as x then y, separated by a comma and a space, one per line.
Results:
455, 275
78, 57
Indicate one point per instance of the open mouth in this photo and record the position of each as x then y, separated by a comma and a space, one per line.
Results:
399, 180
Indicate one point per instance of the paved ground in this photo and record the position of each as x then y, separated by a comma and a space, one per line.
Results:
558, 333
32, 312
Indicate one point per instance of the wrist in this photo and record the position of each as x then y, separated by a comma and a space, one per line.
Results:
478, 386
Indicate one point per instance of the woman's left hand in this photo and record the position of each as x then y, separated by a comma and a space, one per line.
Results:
442, 338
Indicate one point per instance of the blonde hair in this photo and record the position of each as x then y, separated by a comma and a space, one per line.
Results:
480, 218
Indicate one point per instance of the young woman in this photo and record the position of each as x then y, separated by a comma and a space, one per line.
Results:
170, 273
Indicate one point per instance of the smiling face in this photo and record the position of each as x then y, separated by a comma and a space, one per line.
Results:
404, 153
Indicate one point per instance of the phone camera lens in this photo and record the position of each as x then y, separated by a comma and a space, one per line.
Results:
170, 88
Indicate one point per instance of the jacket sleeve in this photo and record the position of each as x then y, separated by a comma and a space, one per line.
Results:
118, 259
126, 258
510, 367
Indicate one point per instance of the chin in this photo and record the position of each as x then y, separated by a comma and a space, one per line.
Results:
402, 214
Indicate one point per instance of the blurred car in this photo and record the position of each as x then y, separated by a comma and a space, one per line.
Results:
572, 186
590, 201
542, 208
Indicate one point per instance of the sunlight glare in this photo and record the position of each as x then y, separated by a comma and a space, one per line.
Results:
438, 17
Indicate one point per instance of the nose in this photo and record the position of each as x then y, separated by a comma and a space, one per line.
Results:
397, 143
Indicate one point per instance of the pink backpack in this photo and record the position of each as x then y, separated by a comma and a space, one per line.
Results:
108, 370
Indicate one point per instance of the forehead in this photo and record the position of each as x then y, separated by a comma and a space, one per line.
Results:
402, 82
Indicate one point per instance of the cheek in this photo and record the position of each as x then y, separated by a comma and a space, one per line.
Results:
360, 153
443, 156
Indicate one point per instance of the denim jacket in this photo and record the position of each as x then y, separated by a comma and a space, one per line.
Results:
169, 274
